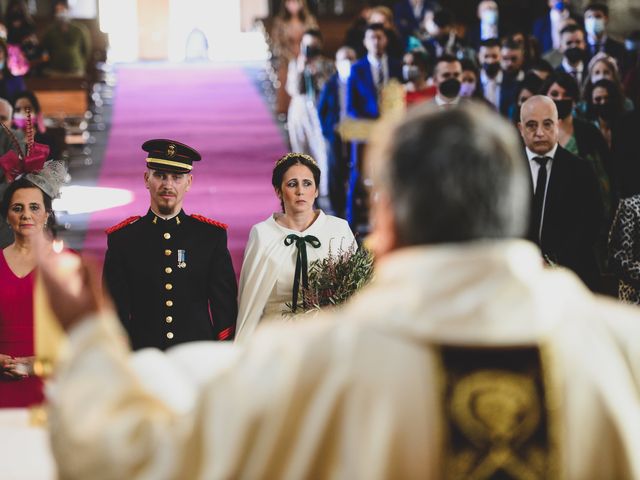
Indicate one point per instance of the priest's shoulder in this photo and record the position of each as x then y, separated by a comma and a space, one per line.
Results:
122, 226
205, 222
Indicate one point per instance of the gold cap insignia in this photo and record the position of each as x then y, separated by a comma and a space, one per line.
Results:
171, 150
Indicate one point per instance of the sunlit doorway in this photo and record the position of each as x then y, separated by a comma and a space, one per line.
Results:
178, 30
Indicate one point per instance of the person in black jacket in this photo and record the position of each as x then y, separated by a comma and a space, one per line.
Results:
170, 274
566, 212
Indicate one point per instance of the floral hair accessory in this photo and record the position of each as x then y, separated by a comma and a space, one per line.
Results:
17, 162
31, 163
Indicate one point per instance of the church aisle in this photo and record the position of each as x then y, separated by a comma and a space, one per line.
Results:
217, 110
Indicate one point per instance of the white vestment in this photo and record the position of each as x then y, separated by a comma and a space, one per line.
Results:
266, 279
354, 394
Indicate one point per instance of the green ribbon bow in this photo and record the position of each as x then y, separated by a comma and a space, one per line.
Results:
302, 268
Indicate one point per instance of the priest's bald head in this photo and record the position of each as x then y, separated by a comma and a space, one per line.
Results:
445, 176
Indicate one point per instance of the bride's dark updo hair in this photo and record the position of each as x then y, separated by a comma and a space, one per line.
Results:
290, 159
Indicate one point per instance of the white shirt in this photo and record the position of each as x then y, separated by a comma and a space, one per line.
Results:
443, 101
491, 87
535, 167
375, 62
569, 68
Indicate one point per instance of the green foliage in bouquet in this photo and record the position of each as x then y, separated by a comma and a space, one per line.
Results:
335, 278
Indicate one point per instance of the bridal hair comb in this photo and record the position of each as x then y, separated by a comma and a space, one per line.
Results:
296, 155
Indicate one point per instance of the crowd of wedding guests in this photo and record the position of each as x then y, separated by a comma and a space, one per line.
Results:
566, 54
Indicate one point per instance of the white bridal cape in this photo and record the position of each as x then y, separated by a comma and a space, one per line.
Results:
266, 280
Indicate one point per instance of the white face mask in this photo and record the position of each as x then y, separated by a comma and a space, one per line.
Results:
344, 69
63, 16
594, 26
410, 73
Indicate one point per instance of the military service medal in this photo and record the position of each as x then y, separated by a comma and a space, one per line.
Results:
182, 256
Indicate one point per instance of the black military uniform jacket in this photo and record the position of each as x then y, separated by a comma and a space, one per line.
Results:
172, 280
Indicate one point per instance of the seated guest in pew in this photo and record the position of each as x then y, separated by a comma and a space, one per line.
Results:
67, 44
9, 83
27, 100
25, 52
464, 345
280, 249
370, 74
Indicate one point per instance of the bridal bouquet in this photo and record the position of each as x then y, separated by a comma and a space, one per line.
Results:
335, 278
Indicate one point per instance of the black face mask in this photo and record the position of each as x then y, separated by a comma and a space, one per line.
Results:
491, 69
564, 108
574, 55
450, 88
603, 110
310, 51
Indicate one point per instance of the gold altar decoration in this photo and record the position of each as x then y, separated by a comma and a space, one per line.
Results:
392, 106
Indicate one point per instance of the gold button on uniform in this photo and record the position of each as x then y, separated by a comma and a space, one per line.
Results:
167, 236
169, 335
169, 303
169, 319
168, 286
168, 270
167, 253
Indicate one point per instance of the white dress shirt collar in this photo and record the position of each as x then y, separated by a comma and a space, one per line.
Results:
551, 153
440, 100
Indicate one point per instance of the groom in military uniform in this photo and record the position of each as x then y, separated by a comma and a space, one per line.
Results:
169, 273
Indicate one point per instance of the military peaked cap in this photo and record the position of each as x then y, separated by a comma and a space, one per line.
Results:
169, 155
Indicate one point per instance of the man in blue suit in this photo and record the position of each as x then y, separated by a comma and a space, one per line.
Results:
409, 15
370, 74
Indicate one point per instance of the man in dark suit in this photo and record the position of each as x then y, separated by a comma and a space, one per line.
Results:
574, 53
596, 18
170, 274
408, 16
370, 74
499, 87
547, 28
567, 208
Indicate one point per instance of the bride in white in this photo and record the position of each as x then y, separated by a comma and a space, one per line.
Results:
281, 248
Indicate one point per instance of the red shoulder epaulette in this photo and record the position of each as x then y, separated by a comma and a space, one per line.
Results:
209, 221
122, 224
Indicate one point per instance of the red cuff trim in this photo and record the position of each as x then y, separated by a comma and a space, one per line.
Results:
226, 333
210, 221
122, 224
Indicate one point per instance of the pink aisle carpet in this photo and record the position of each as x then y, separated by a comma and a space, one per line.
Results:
215, 109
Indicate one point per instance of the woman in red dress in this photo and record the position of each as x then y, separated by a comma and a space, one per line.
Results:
27, 209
